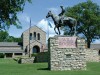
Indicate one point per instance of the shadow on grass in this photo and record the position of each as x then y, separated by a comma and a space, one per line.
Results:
44, 69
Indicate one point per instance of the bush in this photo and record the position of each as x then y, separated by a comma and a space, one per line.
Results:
40, 57
34, 54
1, 55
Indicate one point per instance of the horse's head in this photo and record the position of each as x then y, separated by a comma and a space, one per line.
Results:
49, 14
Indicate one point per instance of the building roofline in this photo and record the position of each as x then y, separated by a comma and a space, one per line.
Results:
10, 44
34, 26
11, 51
95, 43
95, 46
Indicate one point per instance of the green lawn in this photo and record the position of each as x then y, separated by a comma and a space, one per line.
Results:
11, 67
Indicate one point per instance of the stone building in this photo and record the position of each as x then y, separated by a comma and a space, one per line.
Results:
11, 49
34, 41
95, 46
37, 39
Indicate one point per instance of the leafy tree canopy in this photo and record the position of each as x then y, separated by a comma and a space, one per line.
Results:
8, 12
5, 37
88, 19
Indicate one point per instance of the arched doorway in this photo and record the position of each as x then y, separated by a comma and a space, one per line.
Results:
36, 49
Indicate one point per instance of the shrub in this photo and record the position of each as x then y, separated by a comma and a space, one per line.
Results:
40, 57
1, 55
34, 54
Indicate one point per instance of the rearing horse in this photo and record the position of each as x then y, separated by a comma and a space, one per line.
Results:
63, 21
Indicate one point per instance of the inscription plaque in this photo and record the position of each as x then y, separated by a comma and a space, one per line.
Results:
66, 42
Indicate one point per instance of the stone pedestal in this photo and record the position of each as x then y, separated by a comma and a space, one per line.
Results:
66, 53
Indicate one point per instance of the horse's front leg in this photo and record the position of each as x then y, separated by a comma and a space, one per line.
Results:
55, 30
58, 30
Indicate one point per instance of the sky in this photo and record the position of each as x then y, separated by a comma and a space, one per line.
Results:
37, 11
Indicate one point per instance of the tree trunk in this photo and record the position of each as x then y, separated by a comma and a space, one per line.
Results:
88, 43
88, 37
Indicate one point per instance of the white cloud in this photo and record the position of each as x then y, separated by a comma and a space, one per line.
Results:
24, 18
43, 24
25, 23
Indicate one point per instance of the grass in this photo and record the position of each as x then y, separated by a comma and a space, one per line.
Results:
11, 67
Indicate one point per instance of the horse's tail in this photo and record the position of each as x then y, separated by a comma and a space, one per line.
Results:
75, 26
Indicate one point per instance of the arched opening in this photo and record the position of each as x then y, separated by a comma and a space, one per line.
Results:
34, 35
36, 49
30, 36
38, 36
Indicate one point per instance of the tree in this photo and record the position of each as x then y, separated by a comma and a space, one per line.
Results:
88, 20
3, 36
14, 39
8, 12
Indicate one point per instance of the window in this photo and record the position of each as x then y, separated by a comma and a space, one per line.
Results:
30, 36
18, 53
34, 35
38, 36
68, 55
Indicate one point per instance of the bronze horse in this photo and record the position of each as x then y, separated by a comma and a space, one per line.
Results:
63, 21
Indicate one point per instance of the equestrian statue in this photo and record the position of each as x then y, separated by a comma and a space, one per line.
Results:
61, 20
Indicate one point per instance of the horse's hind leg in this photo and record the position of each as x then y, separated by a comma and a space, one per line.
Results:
74, 30
58, 30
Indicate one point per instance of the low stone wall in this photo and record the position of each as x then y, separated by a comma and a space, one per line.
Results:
66, 58
26, 60
92, 55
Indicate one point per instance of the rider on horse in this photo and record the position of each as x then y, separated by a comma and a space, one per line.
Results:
62, 20
61, 15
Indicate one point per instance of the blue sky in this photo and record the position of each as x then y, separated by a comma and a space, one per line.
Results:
37, 12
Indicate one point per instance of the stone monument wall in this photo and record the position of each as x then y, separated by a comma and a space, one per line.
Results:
70, 57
